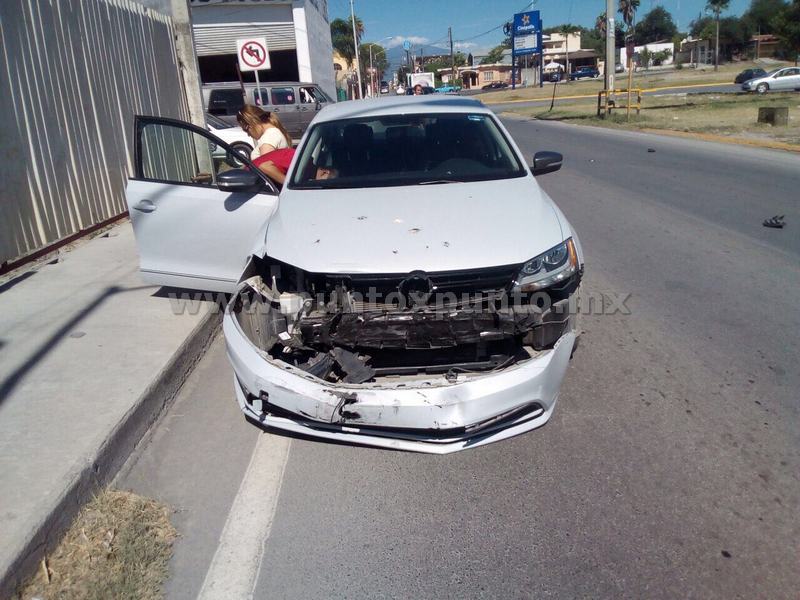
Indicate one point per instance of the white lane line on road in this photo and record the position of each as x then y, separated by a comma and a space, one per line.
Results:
234, 568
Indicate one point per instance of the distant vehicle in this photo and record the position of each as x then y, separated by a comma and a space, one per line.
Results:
495, 85
786, 79
295, 103
238, 140
384, 87
749, 74
447, 89
553, 76
426, 89
400, 91
584, 73
618, 68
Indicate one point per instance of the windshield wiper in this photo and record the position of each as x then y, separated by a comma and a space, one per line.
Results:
438, 181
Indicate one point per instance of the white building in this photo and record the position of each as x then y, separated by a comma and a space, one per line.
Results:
653, 48
297, 32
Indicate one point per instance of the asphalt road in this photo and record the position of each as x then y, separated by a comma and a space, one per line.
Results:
669, 469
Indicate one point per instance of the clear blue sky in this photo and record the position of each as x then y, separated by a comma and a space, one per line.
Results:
426, 21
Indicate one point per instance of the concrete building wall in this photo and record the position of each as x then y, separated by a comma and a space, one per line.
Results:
75, 72
314, 49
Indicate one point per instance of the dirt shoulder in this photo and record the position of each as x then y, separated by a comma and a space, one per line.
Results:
718, 117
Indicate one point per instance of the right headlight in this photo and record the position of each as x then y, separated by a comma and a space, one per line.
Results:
551, 267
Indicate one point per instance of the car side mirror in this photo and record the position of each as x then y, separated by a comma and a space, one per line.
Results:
317, 105
239, 180
546, 162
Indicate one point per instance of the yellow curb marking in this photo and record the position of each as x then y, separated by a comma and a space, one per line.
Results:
656, 89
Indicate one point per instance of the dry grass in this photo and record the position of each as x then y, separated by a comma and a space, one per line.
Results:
118, 547
717, 114
641, 79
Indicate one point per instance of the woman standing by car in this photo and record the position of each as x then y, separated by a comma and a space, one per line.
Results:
265, 128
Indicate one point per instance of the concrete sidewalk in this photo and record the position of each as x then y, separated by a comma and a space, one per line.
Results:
89, 356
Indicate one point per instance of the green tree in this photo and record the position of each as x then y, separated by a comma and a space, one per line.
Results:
716, 7
761, 14
495, 56
379, 61
342, 38
656, 25
787, 27
734, 34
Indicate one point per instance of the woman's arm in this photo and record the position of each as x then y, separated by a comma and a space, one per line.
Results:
264, 148
273, 172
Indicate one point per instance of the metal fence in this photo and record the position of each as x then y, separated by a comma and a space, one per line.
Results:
74, 74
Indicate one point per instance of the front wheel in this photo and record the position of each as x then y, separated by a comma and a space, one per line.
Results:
762, 88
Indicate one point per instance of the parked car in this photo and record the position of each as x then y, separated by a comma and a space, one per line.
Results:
495, 85
619, 68
447, 89
235, 137
785, 79
584, 73
553, 76
748, 74
294, 103
384, 87
362, 309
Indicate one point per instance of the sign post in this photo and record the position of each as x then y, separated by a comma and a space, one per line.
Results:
526, 38
253, 56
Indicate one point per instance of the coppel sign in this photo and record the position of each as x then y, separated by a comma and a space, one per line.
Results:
527, 23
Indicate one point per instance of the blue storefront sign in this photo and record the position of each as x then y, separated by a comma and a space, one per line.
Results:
527, 33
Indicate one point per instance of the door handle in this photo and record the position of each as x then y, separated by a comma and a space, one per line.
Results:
146, 206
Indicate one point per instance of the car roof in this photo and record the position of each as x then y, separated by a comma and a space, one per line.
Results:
400, 105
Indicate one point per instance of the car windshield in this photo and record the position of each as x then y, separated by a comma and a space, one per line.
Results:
398, 150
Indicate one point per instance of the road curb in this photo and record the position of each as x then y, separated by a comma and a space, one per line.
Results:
100, 469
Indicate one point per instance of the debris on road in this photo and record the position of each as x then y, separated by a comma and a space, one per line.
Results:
775, 222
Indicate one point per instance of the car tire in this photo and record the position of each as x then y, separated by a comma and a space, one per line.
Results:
762, 88
242, 148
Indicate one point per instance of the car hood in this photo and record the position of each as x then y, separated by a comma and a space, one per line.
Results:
401, 229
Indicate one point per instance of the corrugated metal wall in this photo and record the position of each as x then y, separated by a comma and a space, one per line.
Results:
74, 74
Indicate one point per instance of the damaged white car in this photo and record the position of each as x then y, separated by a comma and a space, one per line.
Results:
410, 287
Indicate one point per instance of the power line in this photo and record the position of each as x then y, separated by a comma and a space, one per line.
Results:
527, 6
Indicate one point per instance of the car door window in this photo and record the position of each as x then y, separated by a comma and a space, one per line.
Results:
310, 95
175, 154
283, 95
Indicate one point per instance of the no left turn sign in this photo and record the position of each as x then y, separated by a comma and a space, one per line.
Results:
253, 54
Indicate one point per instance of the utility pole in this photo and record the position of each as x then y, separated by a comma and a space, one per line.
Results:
611, 58
452, 57
355, 45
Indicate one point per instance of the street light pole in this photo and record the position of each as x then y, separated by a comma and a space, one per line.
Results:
610, 48
371, 73
355, 45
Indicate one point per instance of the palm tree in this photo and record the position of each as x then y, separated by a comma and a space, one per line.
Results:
600, 24
627, 8
566, 30
342, 38
717, 6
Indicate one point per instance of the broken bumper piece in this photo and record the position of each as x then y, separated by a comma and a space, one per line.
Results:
427, 414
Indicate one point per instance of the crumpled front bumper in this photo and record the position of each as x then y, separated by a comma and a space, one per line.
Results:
425, 415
